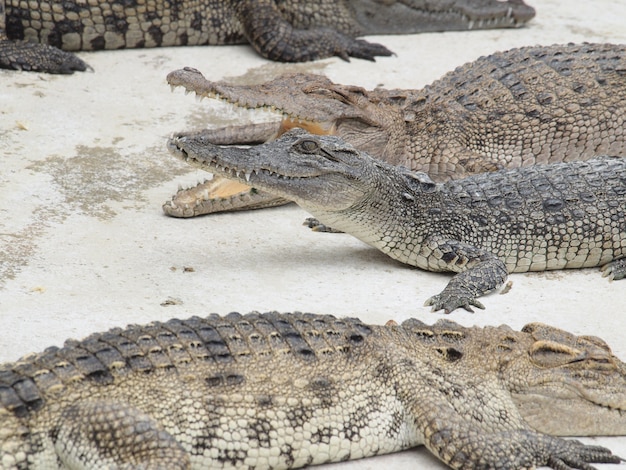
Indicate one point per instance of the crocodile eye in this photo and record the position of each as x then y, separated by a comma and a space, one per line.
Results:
308, 146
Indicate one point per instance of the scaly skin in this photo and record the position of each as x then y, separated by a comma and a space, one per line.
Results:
543, 217
288, 390
283, 30
515, 108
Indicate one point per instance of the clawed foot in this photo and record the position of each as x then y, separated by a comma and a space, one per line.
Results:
573, 454
33, 57
317, 226
615, 270
449, 302
361, 49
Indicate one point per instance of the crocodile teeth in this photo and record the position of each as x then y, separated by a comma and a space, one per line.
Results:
247, 175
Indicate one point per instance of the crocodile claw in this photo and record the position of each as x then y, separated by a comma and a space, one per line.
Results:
361, 49
34, 57
316, 226
574, 454
615, 270
448, 302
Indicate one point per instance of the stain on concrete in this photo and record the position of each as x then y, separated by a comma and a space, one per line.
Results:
97, 176
17, 248
94, 182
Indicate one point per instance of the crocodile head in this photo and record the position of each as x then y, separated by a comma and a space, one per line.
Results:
341, 186
568, 385
418, 16
314, 171
303, 98
373, 121
562, 384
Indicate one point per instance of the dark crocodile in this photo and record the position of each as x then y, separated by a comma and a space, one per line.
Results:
543, 217
515, 108
288, 390
284, 30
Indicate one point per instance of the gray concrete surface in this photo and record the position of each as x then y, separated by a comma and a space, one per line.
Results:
84, 245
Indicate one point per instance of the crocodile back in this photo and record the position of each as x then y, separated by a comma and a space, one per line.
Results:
517, 108
213, 344
224, 388
566, 215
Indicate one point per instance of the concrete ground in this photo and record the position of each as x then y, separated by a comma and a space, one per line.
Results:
85, 247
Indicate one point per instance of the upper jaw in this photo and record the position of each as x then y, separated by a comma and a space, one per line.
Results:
242, 167
297, 105
415, 17
513, 12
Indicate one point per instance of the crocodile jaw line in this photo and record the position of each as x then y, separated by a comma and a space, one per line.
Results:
287, 119
248, 176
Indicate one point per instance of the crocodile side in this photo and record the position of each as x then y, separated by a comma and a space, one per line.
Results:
288, 390
520, 107
542, 217
283, 30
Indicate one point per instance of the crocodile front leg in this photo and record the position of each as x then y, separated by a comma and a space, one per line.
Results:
33, 57
276, 39
615, 270
480, 272
105, 434
509, 450
477, 425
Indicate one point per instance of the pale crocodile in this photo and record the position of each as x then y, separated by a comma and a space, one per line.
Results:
543, 217
514, 108
285, 30
288, 390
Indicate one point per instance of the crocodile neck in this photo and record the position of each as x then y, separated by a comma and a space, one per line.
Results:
388, 220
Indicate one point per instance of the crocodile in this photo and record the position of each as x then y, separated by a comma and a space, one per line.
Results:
287, 390
283, 30
514, 108
483, 227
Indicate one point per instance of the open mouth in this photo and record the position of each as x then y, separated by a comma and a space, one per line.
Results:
230, 187
192, 81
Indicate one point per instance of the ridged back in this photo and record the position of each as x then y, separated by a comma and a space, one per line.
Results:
175, 344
